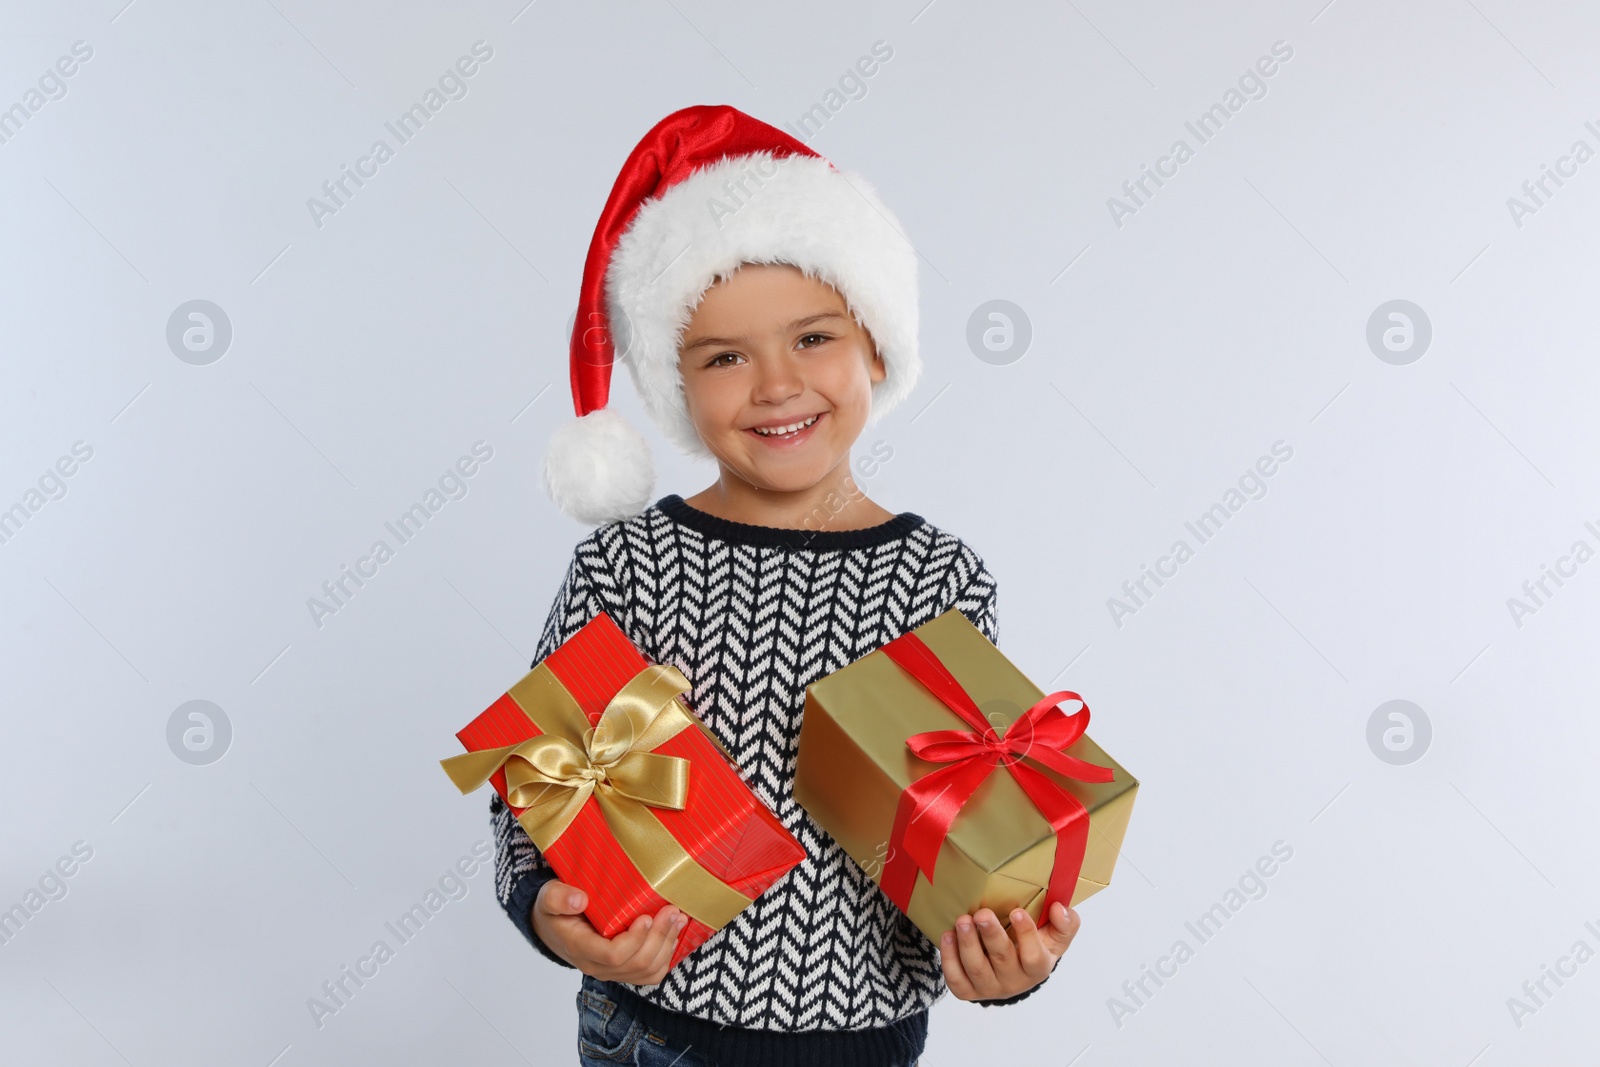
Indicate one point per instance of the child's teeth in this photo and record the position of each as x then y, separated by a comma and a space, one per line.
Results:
780, 431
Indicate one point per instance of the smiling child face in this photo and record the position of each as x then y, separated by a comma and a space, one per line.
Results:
770, 347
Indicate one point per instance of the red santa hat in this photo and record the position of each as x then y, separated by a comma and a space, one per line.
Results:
707, 189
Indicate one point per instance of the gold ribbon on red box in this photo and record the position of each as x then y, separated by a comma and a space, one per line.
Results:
929, 805
570, 763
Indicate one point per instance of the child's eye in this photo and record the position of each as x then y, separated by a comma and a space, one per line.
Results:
821, 338
713, 361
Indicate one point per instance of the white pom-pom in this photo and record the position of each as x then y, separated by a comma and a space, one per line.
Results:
599, 468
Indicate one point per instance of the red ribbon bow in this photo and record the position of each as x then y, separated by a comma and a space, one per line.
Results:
929, 805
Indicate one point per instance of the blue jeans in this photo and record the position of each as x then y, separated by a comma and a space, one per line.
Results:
609, 1034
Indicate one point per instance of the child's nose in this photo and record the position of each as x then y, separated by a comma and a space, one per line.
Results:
777, 379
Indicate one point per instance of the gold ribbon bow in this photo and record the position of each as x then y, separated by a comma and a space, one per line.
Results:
554, 774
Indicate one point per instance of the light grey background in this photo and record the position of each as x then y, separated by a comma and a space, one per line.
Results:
1168, 353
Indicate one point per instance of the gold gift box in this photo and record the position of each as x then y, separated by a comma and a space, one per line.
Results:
853, 765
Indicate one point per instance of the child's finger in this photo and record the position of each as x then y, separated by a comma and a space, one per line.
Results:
636, 952
997, 944
1063, 927
610, 951
558, 898
671, 929
955, 976
1031, 953
974, 960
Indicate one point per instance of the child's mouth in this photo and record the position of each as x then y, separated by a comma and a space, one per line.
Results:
795, 437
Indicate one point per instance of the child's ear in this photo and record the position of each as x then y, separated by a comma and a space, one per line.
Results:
877, 371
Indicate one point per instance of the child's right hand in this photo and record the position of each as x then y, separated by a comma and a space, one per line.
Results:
639, 955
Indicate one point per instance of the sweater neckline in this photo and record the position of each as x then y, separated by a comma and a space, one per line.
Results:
685, 514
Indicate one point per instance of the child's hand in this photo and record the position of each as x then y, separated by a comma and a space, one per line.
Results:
982, 962
638, 955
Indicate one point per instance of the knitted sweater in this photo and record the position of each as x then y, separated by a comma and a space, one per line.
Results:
822, 967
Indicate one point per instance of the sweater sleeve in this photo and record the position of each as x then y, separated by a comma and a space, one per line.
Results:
520, 868
978, 602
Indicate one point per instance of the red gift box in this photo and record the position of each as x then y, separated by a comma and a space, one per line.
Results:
721, 824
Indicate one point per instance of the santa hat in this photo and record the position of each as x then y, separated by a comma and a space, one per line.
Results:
709, 188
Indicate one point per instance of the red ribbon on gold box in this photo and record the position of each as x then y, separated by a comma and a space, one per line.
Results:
956, 783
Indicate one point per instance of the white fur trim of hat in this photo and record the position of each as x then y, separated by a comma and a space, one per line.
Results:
760, 209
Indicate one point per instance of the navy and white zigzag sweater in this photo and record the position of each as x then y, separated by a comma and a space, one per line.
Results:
822, 965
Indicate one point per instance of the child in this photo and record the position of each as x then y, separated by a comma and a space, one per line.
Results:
766, 306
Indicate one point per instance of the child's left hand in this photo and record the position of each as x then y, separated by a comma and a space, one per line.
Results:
982, 961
